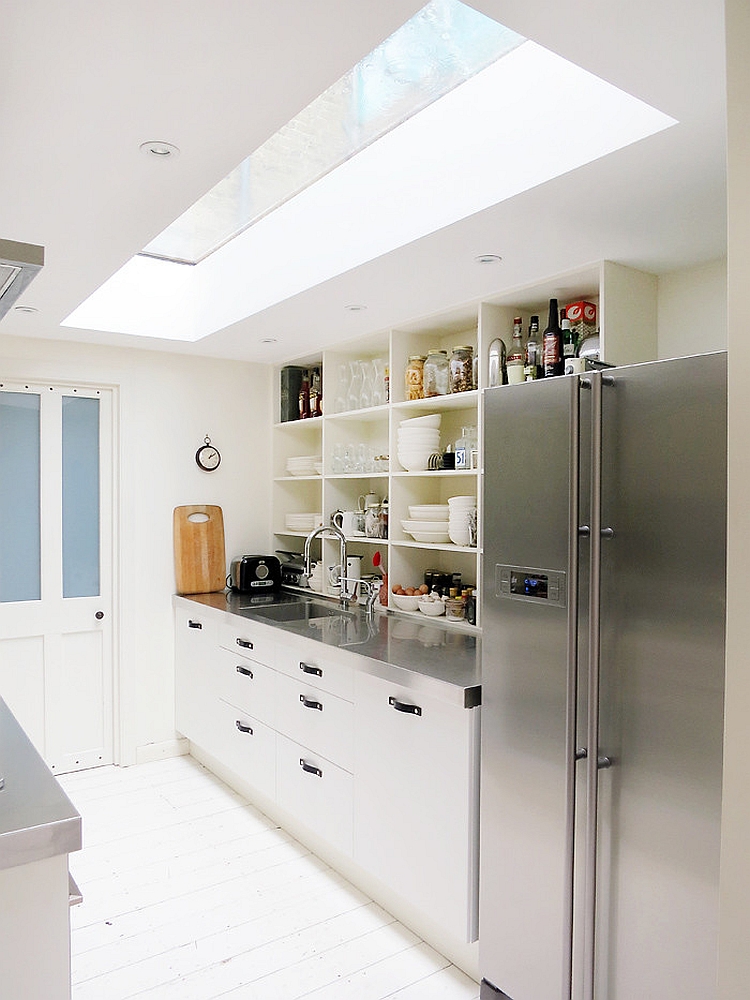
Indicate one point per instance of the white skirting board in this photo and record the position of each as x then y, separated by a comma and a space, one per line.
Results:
160, 751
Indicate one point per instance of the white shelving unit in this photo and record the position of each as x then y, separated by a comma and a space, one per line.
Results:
626, 304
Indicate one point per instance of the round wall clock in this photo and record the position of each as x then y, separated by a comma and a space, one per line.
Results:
207, 456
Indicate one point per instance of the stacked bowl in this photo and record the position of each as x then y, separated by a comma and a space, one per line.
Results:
418, 438
460, 509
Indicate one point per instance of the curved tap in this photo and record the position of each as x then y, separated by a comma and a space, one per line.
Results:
331, 529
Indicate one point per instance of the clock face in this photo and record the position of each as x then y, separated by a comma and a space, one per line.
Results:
207, 457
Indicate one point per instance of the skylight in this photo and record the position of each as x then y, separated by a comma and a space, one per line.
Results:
427, 130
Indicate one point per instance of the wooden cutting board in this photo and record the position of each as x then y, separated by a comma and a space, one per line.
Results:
199, 561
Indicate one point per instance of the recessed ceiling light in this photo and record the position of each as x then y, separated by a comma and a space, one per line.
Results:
159, 150
25, 309
488, 258
355, 308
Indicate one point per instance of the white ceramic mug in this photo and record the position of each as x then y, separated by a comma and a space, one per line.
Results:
353, 573
368, 500
351, 522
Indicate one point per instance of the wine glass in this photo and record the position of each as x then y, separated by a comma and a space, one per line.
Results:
354, 393
365, 393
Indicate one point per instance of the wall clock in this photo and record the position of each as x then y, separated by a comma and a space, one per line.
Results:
207, 456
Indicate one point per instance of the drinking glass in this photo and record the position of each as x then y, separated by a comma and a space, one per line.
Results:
365, 393
354, 393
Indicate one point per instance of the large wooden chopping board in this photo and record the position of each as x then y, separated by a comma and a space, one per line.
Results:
199, 562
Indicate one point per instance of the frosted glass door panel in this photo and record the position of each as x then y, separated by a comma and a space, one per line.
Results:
20, 531
80, 496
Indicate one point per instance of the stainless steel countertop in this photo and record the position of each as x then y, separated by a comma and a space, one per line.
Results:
410, 651
37, 819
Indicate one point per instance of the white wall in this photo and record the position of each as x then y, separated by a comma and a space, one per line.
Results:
692, 310
168, 403
734, 934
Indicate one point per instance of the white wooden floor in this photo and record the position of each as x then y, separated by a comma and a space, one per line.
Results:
190, 893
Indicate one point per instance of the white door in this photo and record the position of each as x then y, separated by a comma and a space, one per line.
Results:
56, 545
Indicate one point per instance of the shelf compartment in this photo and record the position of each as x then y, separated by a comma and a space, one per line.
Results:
435, 404
366, 415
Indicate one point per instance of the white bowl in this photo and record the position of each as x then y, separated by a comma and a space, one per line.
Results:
416, 525
462, 501
418, 432
429, 512
412, 464
432, 608
430, 537
459, 537
428, 420
406, 602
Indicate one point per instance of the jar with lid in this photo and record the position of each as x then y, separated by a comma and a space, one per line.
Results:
436, 373
454, 607
415, 377
462, 369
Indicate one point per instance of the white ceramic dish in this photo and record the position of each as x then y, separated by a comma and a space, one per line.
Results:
406, 602
458, 537
432, 608
462, 501
430, 537
428, 420
429, 512
411, 525
414, 464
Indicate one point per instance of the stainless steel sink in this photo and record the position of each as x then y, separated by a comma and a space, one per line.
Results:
302, 611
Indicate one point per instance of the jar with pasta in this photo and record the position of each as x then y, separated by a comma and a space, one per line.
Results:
436, 373
415, 377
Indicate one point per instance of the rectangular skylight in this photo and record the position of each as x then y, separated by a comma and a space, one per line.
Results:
456, 155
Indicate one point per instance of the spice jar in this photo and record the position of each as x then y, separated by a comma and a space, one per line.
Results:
415, 377
436, 373
462, 369
455, 609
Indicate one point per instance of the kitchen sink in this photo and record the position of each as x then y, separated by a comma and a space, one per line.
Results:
302, 611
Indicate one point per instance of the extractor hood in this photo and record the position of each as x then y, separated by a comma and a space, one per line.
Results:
19, 264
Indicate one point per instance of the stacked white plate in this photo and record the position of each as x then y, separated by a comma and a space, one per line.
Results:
303, 522
429, 511
427, 532
302, 465
418, 438
458, 519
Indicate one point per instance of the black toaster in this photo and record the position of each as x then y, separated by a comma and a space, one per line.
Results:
255, 574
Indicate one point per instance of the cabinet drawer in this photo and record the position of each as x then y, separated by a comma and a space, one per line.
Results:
318, 666
246, 746
243, 637
248, 684
316, 792
318, 720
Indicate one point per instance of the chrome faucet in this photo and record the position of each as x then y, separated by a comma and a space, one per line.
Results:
331, 529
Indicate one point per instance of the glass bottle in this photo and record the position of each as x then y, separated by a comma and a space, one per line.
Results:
414, 377
496, 374
533, 359
516, 358
304, 396
436, 373
553, 356
569, 339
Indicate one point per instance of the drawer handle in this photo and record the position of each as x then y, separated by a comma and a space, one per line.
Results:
245, 643
243, 728
244, 671
308, 703
310, 768
192, 624
401, 706
307, 669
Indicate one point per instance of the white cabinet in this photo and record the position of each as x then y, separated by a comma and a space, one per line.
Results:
246, 746
195, 688
416, 800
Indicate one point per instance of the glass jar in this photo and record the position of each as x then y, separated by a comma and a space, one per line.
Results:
462, 369
436, 373
415, 377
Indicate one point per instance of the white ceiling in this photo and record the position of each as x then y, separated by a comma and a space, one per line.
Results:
84, 83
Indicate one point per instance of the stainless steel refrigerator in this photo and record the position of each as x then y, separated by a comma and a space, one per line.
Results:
603, 600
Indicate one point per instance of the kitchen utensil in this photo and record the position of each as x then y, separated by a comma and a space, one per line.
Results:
200, 562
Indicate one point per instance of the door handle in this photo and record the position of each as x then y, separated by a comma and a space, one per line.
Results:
192, 624
243, 728
244, 671
402, 706
99, 615
245, 643
307, 669
309, 768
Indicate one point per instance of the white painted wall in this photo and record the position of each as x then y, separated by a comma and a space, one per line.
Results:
168, 403
734, 931
692, 310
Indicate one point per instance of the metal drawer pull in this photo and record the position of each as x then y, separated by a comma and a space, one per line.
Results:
243, 728
311, 704
245, 643
401, 706
192, 624
307, 669
244, 671
310, 768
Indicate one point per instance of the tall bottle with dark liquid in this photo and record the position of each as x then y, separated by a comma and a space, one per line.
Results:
553, 347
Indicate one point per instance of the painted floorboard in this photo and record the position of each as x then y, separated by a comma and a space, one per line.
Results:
190, 893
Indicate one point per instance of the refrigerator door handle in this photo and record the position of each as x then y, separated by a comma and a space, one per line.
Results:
592, 707
574, 752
